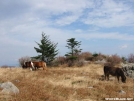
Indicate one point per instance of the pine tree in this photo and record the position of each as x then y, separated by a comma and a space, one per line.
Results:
47, 49
74, 49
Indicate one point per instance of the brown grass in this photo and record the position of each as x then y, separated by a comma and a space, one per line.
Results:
64, 84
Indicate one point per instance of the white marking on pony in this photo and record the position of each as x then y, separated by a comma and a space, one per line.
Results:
32, 65
24, 63
31, 69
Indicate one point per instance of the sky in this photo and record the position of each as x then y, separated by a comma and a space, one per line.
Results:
102, 26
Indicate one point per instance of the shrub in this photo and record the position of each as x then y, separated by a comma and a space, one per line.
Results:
98, 56
61, 60
24, 59
114, 60
80, 63
55, 63
86, 56
4, 66
70, 63
101, 56
124, 59
131, 58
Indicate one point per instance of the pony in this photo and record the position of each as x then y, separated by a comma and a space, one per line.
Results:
114, 71
34, 65
39, 64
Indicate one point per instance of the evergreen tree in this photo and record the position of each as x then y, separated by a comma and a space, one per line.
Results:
47, 49
74, 48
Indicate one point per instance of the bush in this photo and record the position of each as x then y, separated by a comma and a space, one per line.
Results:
80, 63
70, 63
114, 60
4, 66
101, 56
55, 63
124, 59
86, 56
61, 60
131, 58
24, 59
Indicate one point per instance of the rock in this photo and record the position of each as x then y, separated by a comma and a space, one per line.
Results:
90, 87
129, 73
128, 69
100, 61
9, 88
122, 92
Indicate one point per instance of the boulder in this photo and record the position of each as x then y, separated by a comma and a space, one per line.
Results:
122, 92
129, 73
128, 69
9, 88
100, 61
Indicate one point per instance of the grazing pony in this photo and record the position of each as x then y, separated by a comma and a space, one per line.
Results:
34, 65
114, 71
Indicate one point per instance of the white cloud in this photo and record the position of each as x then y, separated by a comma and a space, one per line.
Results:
66, 20
98, 35
124, 46
110, 14
61, 6
64, 12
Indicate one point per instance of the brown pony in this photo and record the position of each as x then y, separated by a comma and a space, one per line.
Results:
39, 64
35, 65
114, 71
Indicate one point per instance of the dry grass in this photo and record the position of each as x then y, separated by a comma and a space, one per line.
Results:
64, 84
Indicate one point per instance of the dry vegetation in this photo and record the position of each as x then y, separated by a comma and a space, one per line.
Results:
64, 84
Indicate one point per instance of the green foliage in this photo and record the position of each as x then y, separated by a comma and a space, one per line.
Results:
95, 54
74, 46
124, 59
47, 49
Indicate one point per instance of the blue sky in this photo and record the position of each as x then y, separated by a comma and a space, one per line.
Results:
105, 26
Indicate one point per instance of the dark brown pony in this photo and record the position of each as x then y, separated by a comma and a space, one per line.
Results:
114, 71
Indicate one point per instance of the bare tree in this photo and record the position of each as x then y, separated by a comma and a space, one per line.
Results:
24, 59
131, 58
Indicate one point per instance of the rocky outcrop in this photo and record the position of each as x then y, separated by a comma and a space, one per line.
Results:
101, 61
128, 69
8, 88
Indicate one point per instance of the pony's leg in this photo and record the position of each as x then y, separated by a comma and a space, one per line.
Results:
35, 68
31, 68
108, 77
32, 65
105, 76
118, 78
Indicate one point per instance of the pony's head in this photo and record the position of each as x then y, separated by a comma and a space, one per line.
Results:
123, 77
24, 65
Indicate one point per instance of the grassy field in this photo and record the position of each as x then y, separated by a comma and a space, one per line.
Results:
64, 84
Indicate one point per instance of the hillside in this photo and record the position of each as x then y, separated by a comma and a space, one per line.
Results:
64, 84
